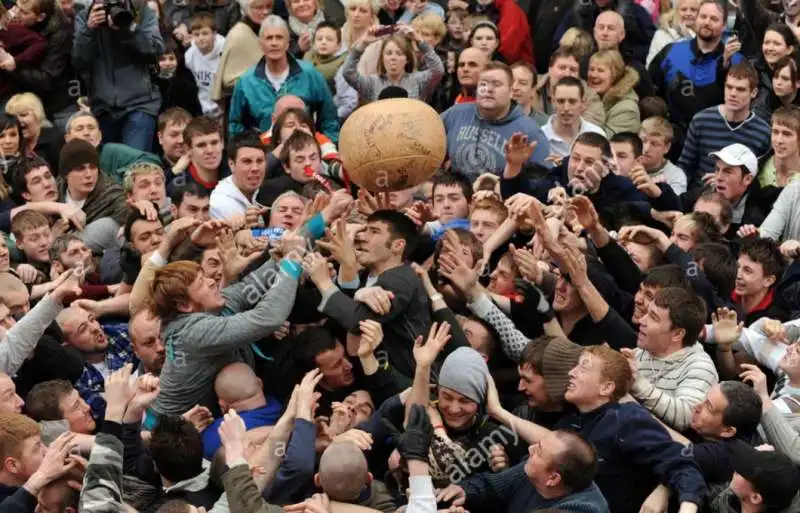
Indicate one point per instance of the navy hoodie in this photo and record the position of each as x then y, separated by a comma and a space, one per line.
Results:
475, 145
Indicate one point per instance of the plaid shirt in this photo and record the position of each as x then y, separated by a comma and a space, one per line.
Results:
92, 382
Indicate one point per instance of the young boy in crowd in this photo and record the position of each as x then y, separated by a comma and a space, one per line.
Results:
656, 134
203, 58
34, 237
326, 54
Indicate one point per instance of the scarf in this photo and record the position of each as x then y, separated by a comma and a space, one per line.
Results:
298, 27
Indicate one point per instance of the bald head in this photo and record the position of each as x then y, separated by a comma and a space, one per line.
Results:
285, 103
236, 383
609, 30
10, 284
470, 64
343, 471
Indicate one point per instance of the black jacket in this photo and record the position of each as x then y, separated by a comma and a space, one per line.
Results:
16, 499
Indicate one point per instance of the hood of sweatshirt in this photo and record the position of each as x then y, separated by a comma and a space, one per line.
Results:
193, 484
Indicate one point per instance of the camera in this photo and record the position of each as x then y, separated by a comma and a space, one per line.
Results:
120, 13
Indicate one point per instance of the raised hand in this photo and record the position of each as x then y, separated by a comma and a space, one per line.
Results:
317, 268
727, 327
337, 242
306, 398
585, 212
753, 375
438, 336
233, 435
205, 235
371, 337
200, 417
747, 230
643, 182
518, 150
119, 390
423, 275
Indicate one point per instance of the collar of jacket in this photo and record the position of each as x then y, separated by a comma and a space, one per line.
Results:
294, 67
698, 55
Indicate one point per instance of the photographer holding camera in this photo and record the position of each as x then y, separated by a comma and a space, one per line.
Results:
116, 42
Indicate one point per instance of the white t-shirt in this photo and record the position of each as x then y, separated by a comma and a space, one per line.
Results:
276, 80
69, 201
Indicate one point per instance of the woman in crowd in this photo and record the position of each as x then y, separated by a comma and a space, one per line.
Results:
242, 48
41, 137
779, 42
614, 83
676, 24
11, 142
396, 66
360, 15
304, 16
485, 37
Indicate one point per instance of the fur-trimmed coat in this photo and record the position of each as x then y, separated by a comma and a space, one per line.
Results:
621, 105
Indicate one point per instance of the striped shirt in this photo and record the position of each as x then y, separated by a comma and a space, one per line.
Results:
709, 131
670, 387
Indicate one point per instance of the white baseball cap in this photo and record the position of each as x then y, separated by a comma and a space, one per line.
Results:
738, 155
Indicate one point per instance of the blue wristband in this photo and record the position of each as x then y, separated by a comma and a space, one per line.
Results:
316, 226
292, 268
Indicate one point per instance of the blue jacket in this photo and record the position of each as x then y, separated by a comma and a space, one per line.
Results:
688, 79
475, 145
511, 491
635, 453
254, 98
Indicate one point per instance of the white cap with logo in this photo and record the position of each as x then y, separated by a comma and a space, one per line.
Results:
738, 155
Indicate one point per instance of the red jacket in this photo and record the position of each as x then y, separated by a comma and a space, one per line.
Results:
26, 46
516, 43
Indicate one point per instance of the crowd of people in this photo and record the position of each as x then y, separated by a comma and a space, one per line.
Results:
593, 306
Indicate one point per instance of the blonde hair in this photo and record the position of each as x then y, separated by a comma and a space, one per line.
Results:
138, 169
579, 42
671, 19
432, 23
658, 127
347, 29
612, 60
21, 103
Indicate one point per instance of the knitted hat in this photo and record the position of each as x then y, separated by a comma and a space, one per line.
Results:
560, 356
75, 154
465, 371
772, 474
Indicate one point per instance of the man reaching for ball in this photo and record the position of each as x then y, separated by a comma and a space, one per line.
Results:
402, 307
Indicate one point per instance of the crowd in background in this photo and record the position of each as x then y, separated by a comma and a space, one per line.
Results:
591, 307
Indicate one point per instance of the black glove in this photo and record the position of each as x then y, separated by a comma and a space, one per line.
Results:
413, 444
534, 298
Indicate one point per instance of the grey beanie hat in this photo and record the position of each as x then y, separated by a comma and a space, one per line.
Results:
465, 371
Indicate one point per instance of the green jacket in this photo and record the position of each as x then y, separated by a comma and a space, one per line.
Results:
114, 157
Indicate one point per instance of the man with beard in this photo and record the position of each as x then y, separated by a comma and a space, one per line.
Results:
689, 74
105, 349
